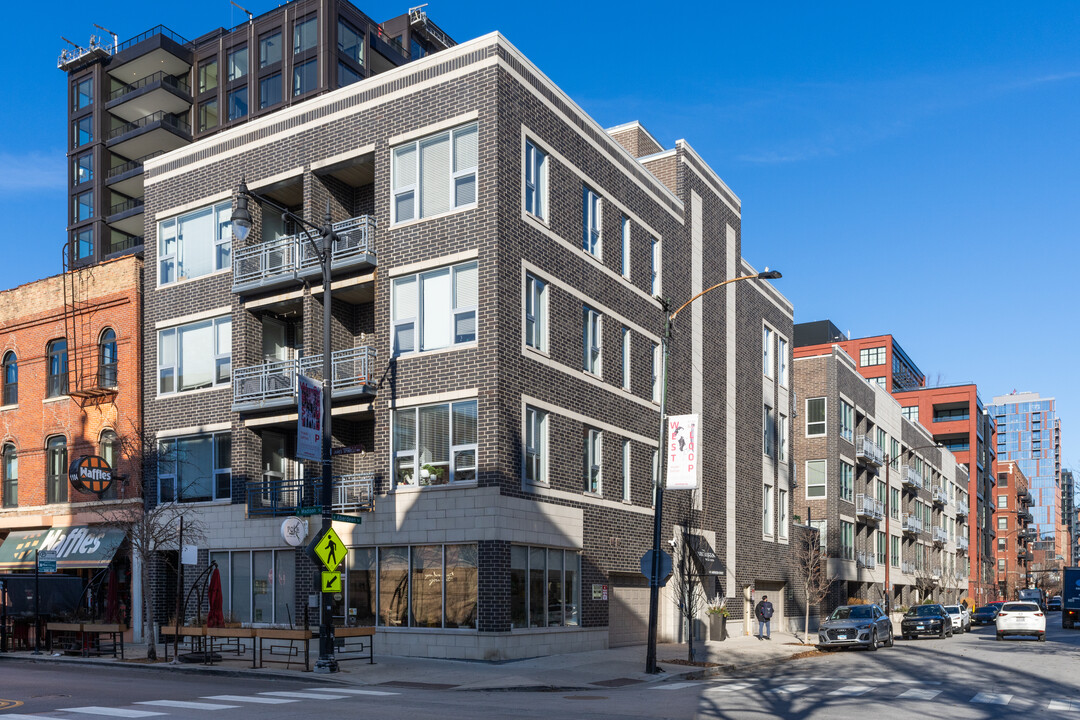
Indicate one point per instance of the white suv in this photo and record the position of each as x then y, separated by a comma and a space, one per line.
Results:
1021, 618
961, 618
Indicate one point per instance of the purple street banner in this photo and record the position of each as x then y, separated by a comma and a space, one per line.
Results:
310, 420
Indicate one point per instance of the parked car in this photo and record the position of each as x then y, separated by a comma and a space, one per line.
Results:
986, 615
855, 625
1021, 618
961, 618
926, 620
1054, 603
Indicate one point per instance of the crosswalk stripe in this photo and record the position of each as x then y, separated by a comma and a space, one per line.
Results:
248, 699
992, 698
918, 694
675, 686
17, 716
353, 691
186, 704
303, 695
728, 688
1060, 705
852, 690
111, 712
789, 689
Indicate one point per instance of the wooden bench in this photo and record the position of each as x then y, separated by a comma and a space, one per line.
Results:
192, 635
276, 640
96, 632
229, 637
351, 642
68, 636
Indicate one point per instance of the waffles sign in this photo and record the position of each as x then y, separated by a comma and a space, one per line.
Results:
90, 474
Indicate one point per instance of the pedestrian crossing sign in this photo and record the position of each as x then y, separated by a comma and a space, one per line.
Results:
331, 582
329, 549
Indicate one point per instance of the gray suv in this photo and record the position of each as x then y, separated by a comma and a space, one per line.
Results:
855, 625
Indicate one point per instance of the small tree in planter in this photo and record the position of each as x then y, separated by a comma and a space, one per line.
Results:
812, 563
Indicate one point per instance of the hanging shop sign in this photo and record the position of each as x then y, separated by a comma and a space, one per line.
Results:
90, 474
683, 441
310, 419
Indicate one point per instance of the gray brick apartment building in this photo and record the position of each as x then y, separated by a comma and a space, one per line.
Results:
496, 316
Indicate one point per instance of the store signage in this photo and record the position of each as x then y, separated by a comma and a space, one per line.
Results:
293, 531
683, 441
90, 474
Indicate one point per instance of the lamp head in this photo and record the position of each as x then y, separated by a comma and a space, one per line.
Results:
241, 216
768, 274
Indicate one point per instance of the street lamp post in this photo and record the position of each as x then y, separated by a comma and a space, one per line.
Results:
241, 226
654, 573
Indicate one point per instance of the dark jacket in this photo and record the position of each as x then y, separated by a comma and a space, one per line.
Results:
764, 611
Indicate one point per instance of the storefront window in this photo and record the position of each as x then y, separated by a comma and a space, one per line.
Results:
394, 586
426, 586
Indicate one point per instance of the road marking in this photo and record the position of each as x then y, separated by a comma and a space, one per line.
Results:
246, 698
992, 698
676, 686
868, 680
187, 705
17, 716
303, 695
111, 712
728, 688
917, 694
789, 689
353, 691
1060, 705
852, 690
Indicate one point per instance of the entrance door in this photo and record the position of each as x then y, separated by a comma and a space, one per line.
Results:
775, 591
276, 344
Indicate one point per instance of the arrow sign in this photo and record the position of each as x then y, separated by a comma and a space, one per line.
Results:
331, 582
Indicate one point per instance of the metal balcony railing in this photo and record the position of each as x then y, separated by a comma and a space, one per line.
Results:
961, 509
869, 507
961, 544
278, 262
273, 384
869, 451
940, 496
179, 83
129, 204
275, 497
131, 164
170, 119
866, 560
911, 523
911, 477
908, 568
941, 536
354, 492
935, 573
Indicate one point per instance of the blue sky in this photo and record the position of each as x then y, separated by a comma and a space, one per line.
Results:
909, 168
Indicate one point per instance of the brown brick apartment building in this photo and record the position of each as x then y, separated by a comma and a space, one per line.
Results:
1013, 524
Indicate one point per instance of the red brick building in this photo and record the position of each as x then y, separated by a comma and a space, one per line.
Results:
70, 386
1012, 518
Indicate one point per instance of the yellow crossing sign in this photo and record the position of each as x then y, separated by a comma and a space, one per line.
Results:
330, 550
331, 582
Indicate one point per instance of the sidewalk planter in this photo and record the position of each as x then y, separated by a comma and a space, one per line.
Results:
717, 628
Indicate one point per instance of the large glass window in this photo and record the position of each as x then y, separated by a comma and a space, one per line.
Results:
195, 468
394, 586
782, 359
593, 456
591, 238
655, 267
437, 307
84, 168
592, 340
56, 480
815, 479
535, 445
305, 34
84, 130
847, 421
107, 359
815, 417
461, 585
626, 346
84, 206
258, 586
536, 309
847, 481
238, 103
270, 49
10, 377
435, 174
435, 444
869, 357
626, 228
84, 93
346, 75
767, 350
769, 431
782, 438
305, 77
195, 244
208, 75
767, 509
910, 412
194, 356
847, 540
109, 450
11, 476
57, 379
84, 242
426, 588
350, 42
237, 62
535, 181
626, 471
208, 115
545, 587
782, 513
270, 90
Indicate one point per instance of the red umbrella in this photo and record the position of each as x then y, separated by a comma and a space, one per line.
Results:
215, 618
112, 599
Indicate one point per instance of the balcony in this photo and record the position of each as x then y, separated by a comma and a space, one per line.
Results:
868, 451
127, 177
939, 496
273, 384
276, 263
157, 131
911, 477
159, 49
1025, 514
153, 93
274, 498
865, 560
911, 524
961, 510
907, 568
1031, 533
935, 573
869, 507
961, 545
127, 216
940, 536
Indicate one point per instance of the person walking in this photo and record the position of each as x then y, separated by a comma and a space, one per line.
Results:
764, 613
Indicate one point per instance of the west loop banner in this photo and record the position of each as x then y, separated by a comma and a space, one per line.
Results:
682, 444
309, 425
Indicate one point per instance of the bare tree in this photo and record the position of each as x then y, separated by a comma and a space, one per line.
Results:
688, 591
812, 563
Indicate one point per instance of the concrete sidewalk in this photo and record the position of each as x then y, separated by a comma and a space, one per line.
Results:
612, 668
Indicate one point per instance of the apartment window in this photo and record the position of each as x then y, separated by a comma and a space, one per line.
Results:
1003, 480
208, 75
536, 310
782, 444
10, 376
435, 309
11, 476
435, 174
847, 481
84, 130
881, 439
107, 359
847, 421
782, 513
626, 247
237, 63
1003, 501
655, 267
767, 350
847, 540
208, 115
815, 417
767, 510
195, 244
84, 93
270, 49
545, 587
822, 527
1003, 523
911, 413
56, 480
435, 444
768, 432
535, 181
815, 479
881, 496
270, 90
535, 445
57, 378
880, 548
894, 454
238, 103
195, 468
305, 34
657, 372
894, 551
346, 75
626, 358
592, 340
593, 457
84, 242
195, 356
84, 206
84, 168
350, 42
305, 77
871, 356
591, 237
109, 450
882, 382
626, 471
1001, 564
1003, 544
782, 358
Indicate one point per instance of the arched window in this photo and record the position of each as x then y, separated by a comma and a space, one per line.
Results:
56, 470
107, 359
11, 476
57, 382
109, 450
10, 380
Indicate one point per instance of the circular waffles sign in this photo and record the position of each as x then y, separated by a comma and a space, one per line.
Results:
91, 474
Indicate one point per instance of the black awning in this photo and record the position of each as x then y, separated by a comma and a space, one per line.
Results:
710, 564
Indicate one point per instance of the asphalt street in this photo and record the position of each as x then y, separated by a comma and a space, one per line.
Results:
968, 676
